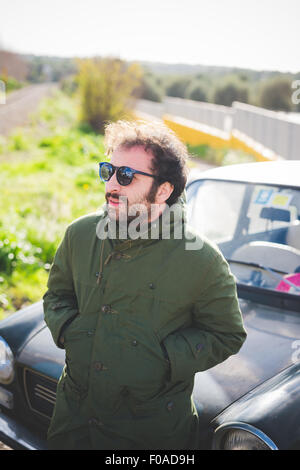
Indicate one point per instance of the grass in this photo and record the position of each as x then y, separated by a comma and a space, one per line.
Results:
48, 177
222, 156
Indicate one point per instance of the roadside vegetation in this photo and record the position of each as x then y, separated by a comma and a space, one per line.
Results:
218, 156
212, 84
48, 177
106, 90
10, 83
222, 86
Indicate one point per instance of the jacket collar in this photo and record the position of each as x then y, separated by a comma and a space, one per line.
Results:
169, 225
166, 226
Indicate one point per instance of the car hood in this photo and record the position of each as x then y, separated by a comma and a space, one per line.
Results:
268, 349
42, 355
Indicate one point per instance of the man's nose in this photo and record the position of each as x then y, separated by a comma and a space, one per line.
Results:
112, 184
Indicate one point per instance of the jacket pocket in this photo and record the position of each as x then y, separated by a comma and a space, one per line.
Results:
170, 317
68, 400
143, 369
165, 422
78, 343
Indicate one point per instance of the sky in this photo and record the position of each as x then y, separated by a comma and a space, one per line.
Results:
255, 34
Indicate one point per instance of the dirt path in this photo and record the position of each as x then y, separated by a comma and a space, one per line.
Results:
19, 104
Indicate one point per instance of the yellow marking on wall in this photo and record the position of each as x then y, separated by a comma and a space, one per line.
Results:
194, 133
200, 135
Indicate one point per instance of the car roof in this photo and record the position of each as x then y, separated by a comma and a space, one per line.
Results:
282, 172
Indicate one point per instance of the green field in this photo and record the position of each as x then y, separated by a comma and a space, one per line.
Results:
48, 177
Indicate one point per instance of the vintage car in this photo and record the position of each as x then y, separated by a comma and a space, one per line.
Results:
252, 400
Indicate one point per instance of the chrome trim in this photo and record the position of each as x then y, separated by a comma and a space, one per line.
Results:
6, 398
221, 430
26, 369
12, 376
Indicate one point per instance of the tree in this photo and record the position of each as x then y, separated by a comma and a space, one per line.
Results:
177, 88
277, 95
106, 90
196, 92
44, 68
13, 65
225, 95
150, 89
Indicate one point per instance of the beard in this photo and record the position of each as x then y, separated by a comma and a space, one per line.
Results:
126, 212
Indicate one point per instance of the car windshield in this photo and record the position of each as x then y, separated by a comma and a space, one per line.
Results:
256, 226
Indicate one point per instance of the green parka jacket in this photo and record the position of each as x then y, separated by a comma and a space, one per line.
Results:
137, 318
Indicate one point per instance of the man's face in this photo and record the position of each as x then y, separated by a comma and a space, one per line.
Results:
137, 193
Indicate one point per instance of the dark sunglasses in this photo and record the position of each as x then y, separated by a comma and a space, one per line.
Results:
124, 174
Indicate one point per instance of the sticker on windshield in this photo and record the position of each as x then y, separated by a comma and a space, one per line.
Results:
281, 200
263, 196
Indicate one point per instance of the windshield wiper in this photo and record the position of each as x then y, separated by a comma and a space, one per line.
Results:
273, 272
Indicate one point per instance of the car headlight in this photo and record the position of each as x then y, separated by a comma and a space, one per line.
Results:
6, 362
241, 436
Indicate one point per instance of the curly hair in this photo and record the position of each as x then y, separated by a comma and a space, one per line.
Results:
169, 153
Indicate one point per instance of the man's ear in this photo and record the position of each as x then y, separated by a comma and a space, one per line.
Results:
164, 192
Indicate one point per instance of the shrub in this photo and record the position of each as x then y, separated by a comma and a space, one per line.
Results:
227, 94
106, 90
178, 87
69, 85
150, 89
18, 141
15, 251
277, 95
196, 92
11, 83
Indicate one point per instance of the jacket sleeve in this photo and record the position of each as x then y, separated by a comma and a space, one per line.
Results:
217, 331
60, 302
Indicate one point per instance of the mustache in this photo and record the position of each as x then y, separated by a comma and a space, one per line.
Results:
113, 196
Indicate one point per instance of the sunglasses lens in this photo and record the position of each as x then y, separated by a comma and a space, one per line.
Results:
124, 175
106, 171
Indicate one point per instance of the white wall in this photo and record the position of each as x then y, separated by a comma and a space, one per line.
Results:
276, 131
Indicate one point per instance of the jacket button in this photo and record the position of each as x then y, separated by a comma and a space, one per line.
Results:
151, 285
134, 342
106, 309
170, 406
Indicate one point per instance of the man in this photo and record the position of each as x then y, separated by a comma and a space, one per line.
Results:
138, 316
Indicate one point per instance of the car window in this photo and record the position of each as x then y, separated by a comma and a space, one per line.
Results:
255, 224
270, 208
216, 221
